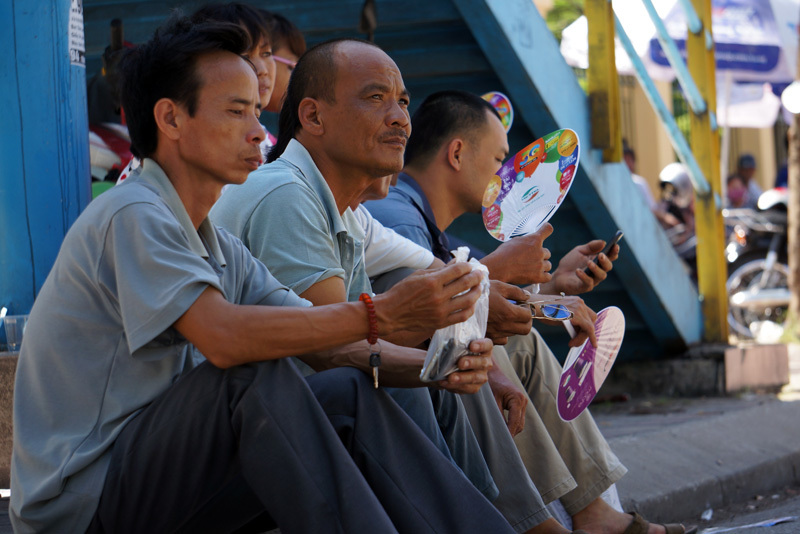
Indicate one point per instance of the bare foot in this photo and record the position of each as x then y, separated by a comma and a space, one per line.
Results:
550, 526
600, 518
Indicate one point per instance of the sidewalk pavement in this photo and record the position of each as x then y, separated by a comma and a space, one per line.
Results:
685, 455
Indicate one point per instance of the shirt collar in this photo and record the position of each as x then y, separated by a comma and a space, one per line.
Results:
410, 187
153, 174
297, 155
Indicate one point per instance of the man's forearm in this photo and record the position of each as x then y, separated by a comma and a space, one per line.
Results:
496, 268
406, 338
400, 366
229, 334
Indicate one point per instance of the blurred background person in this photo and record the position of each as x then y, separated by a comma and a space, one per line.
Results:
738, 195
746, 169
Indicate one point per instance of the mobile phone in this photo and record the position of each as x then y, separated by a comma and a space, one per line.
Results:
609, 245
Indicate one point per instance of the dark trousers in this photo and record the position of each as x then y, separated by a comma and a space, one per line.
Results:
257, 445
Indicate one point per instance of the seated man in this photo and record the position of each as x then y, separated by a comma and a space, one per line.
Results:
343, 125
458, 144
153, 393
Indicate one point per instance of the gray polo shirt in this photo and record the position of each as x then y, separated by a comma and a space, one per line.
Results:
100, 346
286, 215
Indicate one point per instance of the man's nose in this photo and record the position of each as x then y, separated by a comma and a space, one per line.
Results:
257, 133
398, 116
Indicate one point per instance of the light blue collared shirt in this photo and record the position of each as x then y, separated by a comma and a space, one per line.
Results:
286, 214
99, 345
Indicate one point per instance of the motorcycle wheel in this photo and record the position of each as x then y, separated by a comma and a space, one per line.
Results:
749, 275
754, 255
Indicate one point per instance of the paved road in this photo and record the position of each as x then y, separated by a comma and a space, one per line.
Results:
777, 504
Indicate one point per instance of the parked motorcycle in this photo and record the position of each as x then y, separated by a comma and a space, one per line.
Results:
758, 280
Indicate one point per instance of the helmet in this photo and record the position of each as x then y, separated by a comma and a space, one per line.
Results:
777, 198
676, 186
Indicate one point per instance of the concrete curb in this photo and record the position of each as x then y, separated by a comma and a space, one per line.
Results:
684, 469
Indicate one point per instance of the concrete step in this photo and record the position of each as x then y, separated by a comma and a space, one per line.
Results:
709, 460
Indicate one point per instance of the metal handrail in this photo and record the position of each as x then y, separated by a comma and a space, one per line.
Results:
674, 57
676, 137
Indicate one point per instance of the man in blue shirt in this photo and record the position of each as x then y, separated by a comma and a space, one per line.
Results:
458, 144
343, 126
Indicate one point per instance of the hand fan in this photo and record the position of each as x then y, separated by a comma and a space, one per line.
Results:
502, 104
587, 367
529, 187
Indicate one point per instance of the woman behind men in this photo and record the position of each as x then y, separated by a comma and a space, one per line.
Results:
260, 55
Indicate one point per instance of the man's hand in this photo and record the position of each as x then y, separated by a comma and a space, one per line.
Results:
583, 318
522, 260
569, 277
509, 398
505, 318
426, 300
472, 369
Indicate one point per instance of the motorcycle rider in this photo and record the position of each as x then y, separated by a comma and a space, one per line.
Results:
746, 169
677, 200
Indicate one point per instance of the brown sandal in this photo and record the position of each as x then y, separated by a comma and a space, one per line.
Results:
639, 526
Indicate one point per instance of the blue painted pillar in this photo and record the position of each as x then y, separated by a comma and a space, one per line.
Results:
44, 149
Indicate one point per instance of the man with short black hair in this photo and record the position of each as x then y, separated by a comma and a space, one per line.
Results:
343, 127
458, 144
746, 169
154, 393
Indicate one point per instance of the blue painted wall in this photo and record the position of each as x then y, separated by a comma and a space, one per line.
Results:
44, 154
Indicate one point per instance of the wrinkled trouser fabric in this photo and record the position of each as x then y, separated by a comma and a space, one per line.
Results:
519, 500
569, 461
258, 445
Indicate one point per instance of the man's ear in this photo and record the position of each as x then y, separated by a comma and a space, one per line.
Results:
455, 153
310, 114
169, 116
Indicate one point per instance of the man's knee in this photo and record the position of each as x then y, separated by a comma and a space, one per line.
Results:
338, 390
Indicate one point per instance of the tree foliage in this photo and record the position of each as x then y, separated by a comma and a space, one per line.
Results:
562, 14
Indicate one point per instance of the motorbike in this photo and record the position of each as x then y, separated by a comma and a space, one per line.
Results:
758, 279
109, 141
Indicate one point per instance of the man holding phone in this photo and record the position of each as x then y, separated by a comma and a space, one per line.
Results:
456, 146
607, 249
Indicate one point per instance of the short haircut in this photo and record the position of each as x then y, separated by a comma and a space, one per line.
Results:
746, 161
628, 151
313, 77
441, 117
284, 33
248, 17
164, 67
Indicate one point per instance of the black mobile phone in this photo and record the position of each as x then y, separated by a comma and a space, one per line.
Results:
609, 245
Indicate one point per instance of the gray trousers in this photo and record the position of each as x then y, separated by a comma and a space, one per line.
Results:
244, 449
570, 461
518, 500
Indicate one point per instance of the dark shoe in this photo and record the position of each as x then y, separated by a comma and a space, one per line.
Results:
639, 526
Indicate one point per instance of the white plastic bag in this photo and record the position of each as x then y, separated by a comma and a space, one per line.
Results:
452, 342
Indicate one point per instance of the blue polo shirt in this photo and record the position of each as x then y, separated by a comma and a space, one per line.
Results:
286, 214
406, 210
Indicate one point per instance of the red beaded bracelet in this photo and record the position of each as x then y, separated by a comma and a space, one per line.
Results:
372, 338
